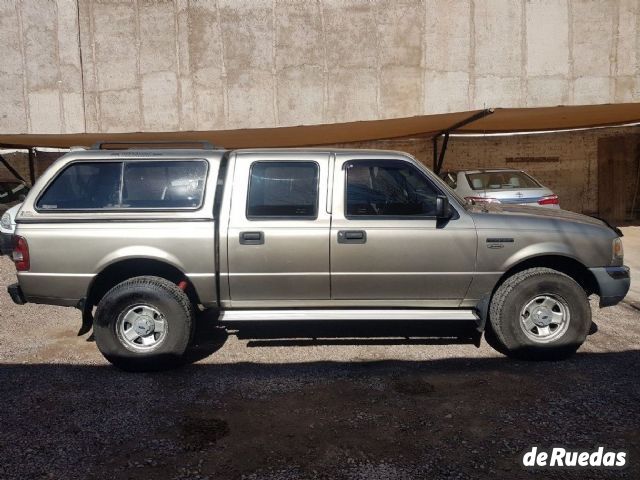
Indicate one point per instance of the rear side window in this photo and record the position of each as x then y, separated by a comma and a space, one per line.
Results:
163, 184
84, 186
283, 190
126, 185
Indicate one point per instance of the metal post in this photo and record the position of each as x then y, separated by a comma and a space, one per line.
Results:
32, 167
435, 152
442, 152
438, 160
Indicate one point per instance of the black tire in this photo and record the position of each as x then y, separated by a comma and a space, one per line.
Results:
516, 293
157, 295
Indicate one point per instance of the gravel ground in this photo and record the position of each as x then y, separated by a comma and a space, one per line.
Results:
365, 409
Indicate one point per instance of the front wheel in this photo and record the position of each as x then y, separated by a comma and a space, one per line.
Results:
540, 314
144, 323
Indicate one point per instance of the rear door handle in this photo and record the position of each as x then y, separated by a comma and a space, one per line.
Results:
251, 238
352, 236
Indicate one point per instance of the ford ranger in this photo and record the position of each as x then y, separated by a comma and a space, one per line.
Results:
141, 239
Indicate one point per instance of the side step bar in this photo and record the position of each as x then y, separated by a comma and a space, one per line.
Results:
230, 316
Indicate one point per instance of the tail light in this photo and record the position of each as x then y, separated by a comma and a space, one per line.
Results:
21, 254
549, 200
618, 250
476, 200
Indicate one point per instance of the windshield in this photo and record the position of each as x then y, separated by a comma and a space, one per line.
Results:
509, 179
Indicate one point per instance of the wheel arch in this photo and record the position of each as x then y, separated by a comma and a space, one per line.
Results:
121, 270
561, 263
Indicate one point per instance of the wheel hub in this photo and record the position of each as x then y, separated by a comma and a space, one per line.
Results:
142, 328
545, 318
541, 316
143, 325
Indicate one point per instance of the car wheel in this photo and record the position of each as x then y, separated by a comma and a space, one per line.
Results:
540, 314
143, 324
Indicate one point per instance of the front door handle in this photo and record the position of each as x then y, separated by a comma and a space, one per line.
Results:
251, 238
352, 236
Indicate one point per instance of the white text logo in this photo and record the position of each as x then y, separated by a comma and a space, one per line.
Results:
561, 457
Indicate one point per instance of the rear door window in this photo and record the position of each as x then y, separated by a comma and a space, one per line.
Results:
283, 190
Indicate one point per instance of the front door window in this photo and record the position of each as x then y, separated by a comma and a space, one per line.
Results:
388, 189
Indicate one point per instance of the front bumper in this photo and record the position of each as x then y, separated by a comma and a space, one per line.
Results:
15, 292
613, 283
6, 243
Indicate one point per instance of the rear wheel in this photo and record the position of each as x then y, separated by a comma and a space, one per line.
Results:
144, 323
540, 313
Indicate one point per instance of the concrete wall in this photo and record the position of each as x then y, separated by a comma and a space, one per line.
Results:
125, 65
40, 69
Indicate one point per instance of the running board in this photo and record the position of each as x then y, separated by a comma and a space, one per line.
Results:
230, 316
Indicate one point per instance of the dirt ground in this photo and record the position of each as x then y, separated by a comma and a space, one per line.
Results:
291, 409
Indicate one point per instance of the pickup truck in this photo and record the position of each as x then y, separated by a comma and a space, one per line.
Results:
143, 239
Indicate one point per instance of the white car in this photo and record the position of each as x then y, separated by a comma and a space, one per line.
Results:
500, 186
7, 228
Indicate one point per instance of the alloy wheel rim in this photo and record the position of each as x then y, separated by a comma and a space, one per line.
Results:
545, 318
142, 328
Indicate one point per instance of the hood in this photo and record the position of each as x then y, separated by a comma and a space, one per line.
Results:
548, 213
530, 214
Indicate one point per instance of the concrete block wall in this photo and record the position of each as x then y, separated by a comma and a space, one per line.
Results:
167, 65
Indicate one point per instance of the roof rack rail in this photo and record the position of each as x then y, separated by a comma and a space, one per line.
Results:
162, 144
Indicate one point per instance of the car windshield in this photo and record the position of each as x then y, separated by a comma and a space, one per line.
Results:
501, 180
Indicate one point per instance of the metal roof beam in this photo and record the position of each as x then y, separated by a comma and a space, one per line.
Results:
13, 171
438, 159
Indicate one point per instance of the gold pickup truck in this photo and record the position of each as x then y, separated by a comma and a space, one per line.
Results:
142, 239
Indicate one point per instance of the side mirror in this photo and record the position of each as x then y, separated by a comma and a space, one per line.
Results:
443, 209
